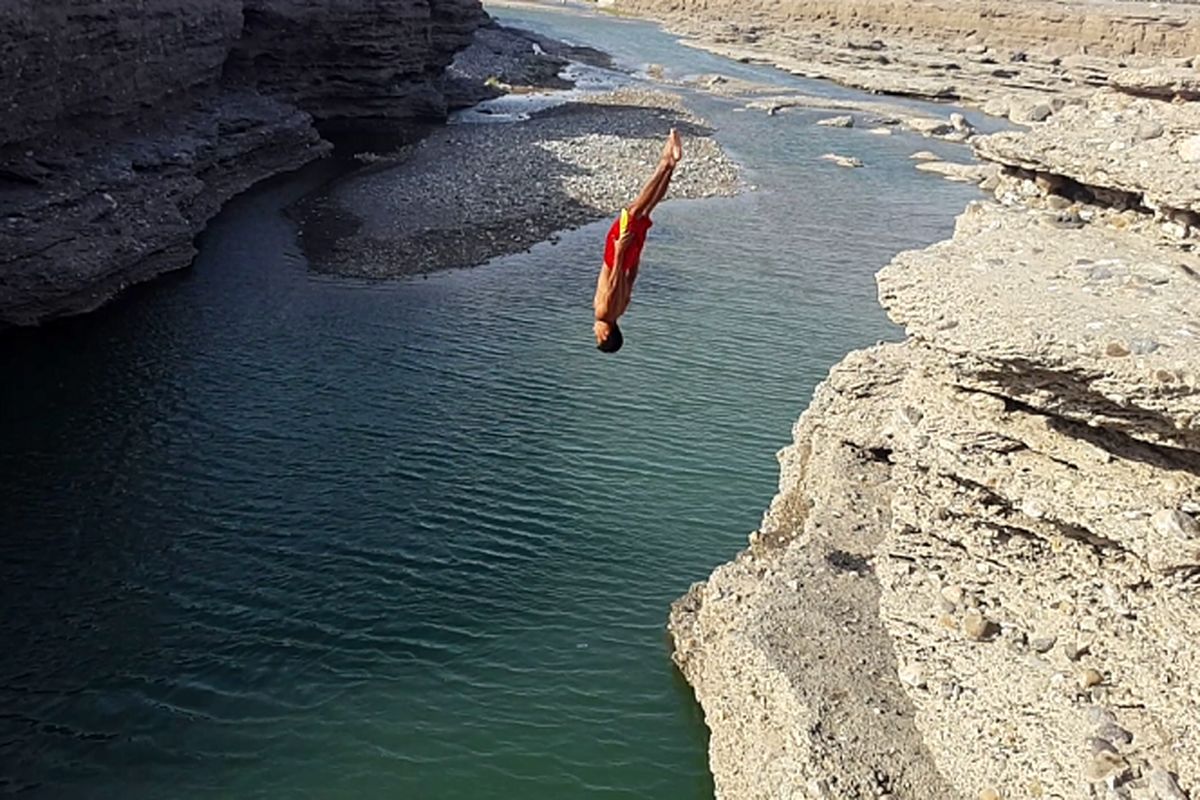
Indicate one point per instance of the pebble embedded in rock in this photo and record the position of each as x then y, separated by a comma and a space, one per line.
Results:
1044, 644
1189, 149
1114, 733
1075, 649
1164, 785
1057, 202
990, 794
1030, 112
1149, 130
1116, 349
953, 595
912, 675
1175, 524
1089, 678
977, 627
1105, 764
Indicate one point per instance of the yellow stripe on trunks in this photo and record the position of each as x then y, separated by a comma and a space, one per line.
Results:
624, 220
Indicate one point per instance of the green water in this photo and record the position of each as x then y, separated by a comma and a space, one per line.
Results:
271, 534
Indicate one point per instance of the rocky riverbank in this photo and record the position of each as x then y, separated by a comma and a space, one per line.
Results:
469, 193
1022, 60
980, 574
127, 128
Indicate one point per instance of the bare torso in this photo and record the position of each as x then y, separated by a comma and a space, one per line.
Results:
614, 287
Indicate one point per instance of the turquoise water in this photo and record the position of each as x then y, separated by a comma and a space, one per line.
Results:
271, 534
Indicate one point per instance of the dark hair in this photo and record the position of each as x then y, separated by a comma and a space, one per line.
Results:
613, 342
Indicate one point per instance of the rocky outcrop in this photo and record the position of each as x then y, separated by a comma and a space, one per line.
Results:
353, 60
1133, 152
105, 59
1011, 54
128, 124
980, 575
1108, 29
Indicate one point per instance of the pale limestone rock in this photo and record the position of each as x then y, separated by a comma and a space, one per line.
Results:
1189, 149
1032, 453
843, 161
845, 121
1162, 81
963, 173
1075, 143
1029, 111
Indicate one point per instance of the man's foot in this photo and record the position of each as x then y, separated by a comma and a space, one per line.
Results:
672, 148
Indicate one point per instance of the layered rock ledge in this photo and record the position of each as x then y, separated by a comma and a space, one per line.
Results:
980, 576
126, 127
1022, 60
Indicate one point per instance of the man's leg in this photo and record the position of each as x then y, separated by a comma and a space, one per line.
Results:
656, 188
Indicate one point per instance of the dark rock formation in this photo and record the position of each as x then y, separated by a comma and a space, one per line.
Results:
105, 58
350, 60
127, 125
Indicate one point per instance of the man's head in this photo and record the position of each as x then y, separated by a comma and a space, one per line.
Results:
608, 336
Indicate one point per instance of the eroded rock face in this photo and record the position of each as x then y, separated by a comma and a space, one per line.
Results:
1115, 142
353, 59
84, 215
1090, 324
1163, 82
129, 124
996, 522
106, 58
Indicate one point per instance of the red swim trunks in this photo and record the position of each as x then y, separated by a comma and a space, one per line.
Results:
637, 227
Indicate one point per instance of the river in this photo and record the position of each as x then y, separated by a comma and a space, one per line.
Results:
273, 534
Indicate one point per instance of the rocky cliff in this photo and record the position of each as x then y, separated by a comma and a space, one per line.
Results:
126, 125
980, 576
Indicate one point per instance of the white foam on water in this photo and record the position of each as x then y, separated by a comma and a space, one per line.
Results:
519, 107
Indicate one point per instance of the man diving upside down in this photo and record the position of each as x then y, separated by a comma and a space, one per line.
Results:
623, 249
